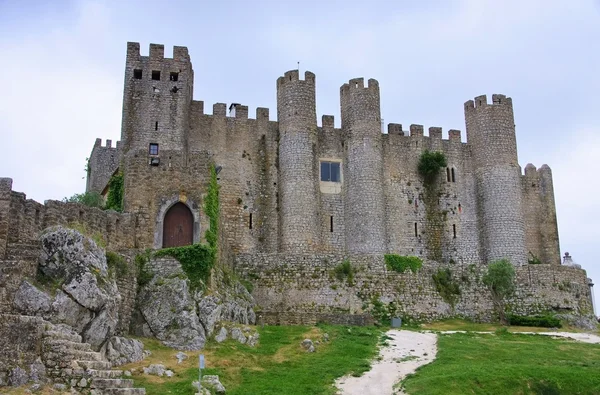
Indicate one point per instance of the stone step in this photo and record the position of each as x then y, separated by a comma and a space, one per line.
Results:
100, 365
66, 354
112, 383
104, 374
52, 334
55, 344
118, 391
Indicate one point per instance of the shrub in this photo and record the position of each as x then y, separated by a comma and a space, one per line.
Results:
116, 264
143, 275
400, 263
500, 279
430, 164
196, 260
90, 199
447, 288
544, 321
344, 271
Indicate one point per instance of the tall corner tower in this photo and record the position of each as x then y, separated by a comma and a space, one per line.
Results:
364, 205
298, 175
491, 137
156, 99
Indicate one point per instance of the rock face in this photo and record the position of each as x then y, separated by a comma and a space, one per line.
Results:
166, 310
121, 350
73, 269
182, 318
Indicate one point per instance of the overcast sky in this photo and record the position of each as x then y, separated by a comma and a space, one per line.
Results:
63, 63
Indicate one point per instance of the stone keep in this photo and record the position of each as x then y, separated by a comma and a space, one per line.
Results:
272, 197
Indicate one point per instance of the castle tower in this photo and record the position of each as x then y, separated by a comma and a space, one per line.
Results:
156, 104
298, 176
548, 223
364, 206
491, 136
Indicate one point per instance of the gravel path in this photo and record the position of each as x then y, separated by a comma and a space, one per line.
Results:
407, 350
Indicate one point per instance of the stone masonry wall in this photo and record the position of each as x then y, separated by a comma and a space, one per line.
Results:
305, 285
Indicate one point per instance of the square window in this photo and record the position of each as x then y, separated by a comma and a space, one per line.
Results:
153, 149
156, 75
174, 76
330, 171
137, 74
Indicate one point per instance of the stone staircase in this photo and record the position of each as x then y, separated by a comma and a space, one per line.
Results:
74, 363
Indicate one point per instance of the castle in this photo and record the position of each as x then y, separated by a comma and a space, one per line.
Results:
293, 186
298, 198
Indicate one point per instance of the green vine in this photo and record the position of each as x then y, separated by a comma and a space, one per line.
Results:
211, 208
345, 271
116, 264
114, 201
400, 263
446, 286
197, 260
430, 164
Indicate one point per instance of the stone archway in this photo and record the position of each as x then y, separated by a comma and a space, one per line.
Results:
178, 226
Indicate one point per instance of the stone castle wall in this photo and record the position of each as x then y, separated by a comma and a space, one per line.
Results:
102, 164
292, 288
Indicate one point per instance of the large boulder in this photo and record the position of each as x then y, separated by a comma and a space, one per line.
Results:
75, 287
121, 350
166, 309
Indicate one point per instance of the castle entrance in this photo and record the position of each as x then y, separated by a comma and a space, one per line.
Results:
178, 228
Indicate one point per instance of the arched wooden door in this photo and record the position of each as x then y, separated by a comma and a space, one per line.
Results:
178, 227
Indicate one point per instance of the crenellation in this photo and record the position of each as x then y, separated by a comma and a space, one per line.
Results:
133, 52
328, 121
435, 132
262, 113
181, 54
157, 52
454, 135
241, 112
395, 128
416, 130
219, 109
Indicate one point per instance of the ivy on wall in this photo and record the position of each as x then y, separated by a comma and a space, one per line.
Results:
429, 167
114, 201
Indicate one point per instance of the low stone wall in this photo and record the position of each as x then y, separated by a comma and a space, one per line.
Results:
299, 288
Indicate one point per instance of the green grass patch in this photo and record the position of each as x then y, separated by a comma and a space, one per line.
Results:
399, 263
545, 321
277, 365
508, 363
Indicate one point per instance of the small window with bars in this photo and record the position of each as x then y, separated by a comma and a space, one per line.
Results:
153, 149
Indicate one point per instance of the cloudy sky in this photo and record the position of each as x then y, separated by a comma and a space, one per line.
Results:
62, 76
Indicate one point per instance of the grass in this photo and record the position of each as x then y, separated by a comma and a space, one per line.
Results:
508, 363
278, 363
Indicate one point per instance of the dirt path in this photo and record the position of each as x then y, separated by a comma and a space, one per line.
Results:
407, 350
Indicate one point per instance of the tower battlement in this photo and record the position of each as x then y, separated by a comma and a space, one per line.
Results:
482, 102
156, 53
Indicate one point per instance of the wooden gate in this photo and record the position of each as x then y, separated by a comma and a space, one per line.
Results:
178, 228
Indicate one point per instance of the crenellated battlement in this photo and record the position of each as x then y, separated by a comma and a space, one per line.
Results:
435, 132
356, 84
293, 76
328, 121
481, 102
98, 144
156, 53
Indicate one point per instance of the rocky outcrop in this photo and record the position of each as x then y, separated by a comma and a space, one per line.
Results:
183, 318
121, 350
166, 310
73, 286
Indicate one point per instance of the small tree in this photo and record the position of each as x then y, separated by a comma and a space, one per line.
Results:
91, 199
500, 279
430, 164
